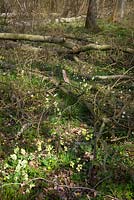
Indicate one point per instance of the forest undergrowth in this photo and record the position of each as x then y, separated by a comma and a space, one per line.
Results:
66, 132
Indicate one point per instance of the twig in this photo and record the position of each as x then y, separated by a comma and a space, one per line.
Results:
52, 182
78, 38
38, 127
97, 135
82, 188
23, 128
111, 197
62, 186
101, 181
120, 77
118, 139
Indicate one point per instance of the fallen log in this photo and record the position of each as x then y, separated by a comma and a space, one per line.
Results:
108, 77
34, 38
111, 77
73, 47
25, 47
79, 49
69, 19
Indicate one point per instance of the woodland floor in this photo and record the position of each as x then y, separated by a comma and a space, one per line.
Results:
62, 140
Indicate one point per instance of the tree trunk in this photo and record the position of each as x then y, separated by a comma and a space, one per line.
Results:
91, 17
53, 6
118, 12
66, 8
82, 7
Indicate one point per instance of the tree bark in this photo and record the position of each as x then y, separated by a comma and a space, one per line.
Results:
118, 12
66, 8
91, 17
